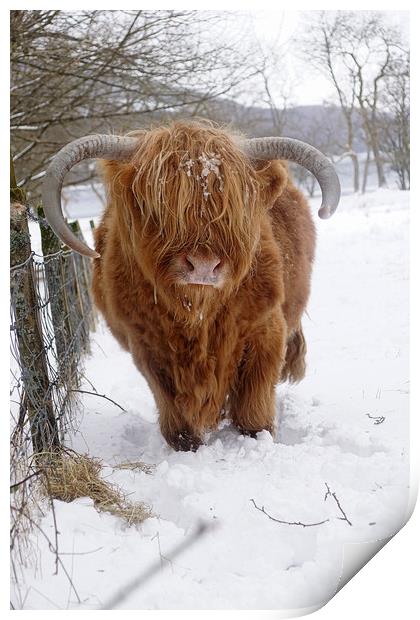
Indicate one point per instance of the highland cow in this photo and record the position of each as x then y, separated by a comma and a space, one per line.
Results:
202, 266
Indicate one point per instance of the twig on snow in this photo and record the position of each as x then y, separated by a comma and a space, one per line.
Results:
80, 552
337, 501
100, 395
262, 509
378, 419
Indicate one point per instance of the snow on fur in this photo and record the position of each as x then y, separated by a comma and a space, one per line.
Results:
207, 163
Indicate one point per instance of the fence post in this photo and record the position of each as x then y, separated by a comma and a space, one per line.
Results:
84, 271
40, 409
72, 310
51, 245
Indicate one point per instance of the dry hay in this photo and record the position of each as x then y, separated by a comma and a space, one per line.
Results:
136, 466
68, 476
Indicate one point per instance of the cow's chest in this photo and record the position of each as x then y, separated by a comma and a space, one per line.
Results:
200, 359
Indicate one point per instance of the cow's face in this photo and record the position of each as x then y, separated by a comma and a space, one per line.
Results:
194, 206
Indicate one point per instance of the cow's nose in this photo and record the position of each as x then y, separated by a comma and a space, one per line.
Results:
201, 266
203, 269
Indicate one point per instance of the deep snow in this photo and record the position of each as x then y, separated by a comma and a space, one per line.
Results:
344, 425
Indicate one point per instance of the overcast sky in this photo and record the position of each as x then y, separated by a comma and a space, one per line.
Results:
280, 28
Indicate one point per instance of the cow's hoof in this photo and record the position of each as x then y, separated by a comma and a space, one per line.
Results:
253, 433
248, 433
185, 442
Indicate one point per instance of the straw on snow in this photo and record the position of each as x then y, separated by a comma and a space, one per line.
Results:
68, 476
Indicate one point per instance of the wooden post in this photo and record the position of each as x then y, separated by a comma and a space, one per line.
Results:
73, 312
82, 280
33, 359
51, 246
87, 278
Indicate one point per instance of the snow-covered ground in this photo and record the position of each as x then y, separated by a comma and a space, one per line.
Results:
345, 425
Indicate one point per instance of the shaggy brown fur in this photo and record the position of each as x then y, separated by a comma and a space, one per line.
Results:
204, 349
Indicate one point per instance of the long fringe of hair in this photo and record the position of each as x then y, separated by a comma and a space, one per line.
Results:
193, 187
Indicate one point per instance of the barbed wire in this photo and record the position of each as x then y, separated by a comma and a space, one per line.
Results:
51, 315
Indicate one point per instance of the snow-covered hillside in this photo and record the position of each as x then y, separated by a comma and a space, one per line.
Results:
343, 428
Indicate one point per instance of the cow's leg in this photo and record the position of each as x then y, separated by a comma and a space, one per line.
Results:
177, 431
294, 365
252, 399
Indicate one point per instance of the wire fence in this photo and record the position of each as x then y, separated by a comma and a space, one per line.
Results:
51, 316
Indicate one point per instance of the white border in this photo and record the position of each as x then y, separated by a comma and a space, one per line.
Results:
388, 585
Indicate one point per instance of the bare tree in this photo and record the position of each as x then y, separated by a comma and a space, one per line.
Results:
321, 45
366, 170
268, 67
369, 48
85, 71
395, 123
357, 50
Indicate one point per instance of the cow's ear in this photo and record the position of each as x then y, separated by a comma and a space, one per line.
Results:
272, 177
116, 172
118, 179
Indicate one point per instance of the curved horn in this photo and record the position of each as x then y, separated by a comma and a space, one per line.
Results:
307, 156
101, 146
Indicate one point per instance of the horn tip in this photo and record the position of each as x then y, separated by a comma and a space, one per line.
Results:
87, 251
325, 212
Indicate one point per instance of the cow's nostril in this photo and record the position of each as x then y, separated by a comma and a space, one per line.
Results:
217, 266
189, 264
203, 267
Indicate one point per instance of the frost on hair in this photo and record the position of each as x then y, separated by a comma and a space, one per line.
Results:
209, 163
